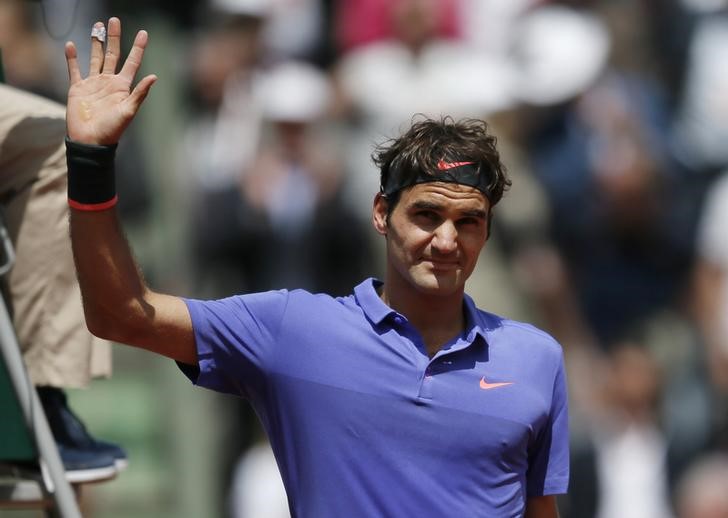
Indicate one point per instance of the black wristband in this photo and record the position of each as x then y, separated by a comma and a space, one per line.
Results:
91, 178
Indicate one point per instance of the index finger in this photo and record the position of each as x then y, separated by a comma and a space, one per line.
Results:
134, 59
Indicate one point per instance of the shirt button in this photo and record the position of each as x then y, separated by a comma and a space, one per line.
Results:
398, 320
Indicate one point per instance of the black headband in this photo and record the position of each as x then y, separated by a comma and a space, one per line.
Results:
464, 173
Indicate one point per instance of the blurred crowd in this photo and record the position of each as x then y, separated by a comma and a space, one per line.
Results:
612, 117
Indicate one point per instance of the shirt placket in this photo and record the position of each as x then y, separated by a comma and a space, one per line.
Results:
427, 368
438, 364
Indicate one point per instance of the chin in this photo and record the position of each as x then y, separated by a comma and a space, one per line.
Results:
434, 284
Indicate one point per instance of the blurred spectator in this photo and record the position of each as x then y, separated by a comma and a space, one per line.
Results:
224, 76
293, 29
223, 134
702, 123
41, 291
361, 22
711, 298
622, 469
630, 446
306, 237
618, 203
28, 58
702, 490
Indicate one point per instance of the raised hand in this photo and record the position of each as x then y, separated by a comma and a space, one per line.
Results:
102, 105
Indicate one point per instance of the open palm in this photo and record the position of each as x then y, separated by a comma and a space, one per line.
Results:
102, 105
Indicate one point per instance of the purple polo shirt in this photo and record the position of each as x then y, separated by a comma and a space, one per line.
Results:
364, 424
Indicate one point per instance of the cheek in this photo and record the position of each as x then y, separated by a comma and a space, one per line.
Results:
410, 239
473, 246
408, 247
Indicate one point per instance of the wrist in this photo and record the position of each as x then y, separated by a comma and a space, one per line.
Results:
91, 176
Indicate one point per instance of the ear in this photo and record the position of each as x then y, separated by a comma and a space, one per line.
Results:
379, 213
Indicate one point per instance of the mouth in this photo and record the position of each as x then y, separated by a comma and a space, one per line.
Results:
442, 265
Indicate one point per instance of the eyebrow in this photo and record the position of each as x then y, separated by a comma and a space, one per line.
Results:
428, 205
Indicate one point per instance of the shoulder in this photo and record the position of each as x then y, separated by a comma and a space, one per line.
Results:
521, 336
530, 332
274, 301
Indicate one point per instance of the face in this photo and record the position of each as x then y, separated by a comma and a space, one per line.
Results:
434, 236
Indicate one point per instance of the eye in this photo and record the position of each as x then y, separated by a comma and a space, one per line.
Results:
427, 215
469, 221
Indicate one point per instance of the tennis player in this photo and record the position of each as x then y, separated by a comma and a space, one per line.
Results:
401, 399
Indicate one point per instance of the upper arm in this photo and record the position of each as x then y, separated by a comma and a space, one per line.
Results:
541, 507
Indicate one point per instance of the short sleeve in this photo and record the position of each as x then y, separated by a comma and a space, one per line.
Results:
548, 472
234, 337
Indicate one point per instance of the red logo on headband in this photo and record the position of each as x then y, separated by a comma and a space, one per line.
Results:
445, 166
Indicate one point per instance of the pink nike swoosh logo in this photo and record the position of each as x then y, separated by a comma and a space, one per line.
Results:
444, 166
487, 386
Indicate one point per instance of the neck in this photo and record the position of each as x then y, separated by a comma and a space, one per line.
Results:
438, 318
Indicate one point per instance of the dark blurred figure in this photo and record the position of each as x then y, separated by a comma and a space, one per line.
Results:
221, 139
305, 236
622, 217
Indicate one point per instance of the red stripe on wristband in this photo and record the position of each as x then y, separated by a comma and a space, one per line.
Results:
93, 206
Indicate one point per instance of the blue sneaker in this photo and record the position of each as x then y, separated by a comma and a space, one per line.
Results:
86, 466
121, 461
73, 440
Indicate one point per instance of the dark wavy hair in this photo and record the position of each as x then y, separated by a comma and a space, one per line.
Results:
429, 141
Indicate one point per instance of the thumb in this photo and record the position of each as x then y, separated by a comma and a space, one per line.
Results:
140, 92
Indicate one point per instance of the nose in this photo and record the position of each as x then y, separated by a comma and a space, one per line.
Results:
445, 238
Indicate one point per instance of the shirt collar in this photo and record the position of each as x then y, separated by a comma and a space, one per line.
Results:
369, 301
477, 323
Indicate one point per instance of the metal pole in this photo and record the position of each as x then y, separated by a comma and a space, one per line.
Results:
54, 476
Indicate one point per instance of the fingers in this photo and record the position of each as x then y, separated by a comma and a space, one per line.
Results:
113, 46
97, 49
74, 74
134, 60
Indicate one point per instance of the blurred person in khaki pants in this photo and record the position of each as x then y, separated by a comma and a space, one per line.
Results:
41, 290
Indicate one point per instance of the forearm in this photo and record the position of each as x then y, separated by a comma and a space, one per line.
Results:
112, 287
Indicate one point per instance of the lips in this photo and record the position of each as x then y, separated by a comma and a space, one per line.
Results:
442, 265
